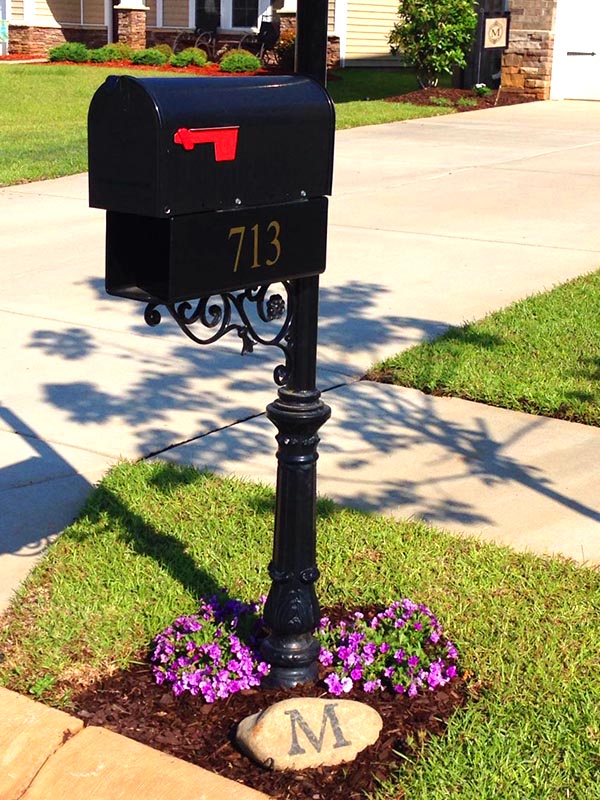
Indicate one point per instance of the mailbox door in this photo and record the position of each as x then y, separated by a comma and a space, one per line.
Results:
191, 256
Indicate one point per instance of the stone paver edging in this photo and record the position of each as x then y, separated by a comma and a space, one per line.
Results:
46, 754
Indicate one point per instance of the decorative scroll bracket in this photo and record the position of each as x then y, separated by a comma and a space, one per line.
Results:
215, 315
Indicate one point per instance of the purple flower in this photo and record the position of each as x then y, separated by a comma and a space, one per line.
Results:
214, 653
334, 684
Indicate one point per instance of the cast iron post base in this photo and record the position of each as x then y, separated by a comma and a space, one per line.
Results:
292, 610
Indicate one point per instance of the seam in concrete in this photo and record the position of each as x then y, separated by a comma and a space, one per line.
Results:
166, 449
175, 445
42, 482
45, 440
66, 738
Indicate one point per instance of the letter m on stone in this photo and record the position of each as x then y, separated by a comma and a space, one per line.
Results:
298, 721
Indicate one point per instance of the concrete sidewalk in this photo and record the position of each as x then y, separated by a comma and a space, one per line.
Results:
433, 222
46, 754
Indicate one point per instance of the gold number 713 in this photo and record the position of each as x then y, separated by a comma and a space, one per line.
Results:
273, 228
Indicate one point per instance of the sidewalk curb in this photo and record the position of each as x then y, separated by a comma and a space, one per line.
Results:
46, 754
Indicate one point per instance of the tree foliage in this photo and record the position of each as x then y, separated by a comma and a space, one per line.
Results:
434, 35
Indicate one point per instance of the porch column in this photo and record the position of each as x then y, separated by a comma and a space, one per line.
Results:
131, 23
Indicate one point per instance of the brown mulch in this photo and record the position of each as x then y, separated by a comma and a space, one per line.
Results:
132, 704
21, 57
424, 97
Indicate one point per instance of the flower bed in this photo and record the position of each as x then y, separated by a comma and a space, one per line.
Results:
170, 706
215, 653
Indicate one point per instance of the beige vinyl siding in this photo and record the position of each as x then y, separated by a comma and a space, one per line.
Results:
331, 17
52, 13
43, 14
16, 13
369, 25
175, 14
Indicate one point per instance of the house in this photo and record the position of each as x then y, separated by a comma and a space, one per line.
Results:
554, 49
361, 27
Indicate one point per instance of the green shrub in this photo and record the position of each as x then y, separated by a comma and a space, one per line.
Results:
103, 54
481, 89
164, 48
466, 102
150, 57
69, 51
239, 61
124, 51
434, 36
191, 56
285, 50
440, 101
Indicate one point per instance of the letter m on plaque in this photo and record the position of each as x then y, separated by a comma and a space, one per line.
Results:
298, 721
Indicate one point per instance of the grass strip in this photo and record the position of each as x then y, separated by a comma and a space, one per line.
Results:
153, 537
376, 112
539, 355
43, 117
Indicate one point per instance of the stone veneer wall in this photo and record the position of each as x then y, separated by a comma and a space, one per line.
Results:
527, 63
34, 40
131, 27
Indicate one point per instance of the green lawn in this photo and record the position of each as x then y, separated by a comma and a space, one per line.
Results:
43, 114
153, 537
43, 119
540, 355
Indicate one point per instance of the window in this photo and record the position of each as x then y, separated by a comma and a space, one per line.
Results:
244, 13
227, 14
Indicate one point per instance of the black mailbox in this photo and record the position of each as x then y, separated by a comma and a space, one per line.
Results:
210, 184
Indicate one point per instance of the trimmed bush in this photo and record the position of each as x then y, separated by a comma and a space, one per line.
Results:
191, 56
124, 51
164, 48
239, 61
69, 51
107, 53
150, 57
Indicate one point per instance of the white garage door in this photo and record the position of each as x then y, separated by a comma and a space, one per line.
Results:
576, 65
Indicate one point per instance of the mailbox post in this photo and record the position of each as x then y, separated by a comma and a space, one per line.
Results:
292, 609
215, 190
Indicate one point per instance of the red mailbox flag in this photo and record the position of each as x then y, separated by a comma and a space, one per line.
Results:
224, 140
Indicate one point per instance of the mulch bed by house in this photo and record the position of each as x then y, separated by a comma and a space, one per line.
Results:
451, 97
208, 70
21, 57
132, 704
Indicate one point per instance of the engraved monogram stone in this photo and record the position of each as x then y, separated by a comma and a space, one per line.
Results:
308, 732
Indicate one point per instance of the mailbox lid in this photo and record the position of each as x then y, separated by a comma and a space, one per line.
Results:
139, 162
